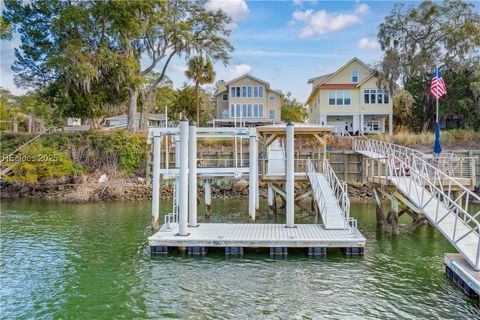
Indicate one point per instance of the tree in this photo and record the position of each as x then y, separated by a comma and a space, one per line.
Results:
185, 104
415, 40
201, 71
292, 110
10, 113
402, 109
160, 30
70, 51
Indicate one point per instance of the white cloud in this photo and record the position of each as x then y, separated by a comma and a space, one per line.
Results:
362, 8
235, 9
322, 22
178, 68
368, 44
300, 2
239, 70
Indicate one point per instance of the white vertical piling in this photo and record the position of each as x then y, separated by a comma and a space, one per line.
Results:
257, 183
156, 183
192, 176
183, 179
252, 176
289, 170
270, 196
208, 197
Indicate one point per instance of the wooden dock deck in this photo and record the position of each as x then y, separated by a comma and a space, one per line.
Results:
258, 236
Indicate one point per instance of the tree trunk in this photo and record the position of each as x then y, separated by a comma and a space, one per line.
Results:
15, 123
94, 123
30, 123
197, 102
132, 110
148, 106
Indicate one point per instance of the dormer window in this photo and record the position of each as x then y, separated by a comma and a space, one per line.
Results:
354, 76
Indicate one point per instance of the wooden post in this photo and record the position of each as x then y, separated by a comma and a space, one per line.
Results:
394, 215
208, 198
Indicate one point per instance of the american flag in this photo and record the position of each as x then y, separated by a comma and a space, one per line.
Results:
437, 89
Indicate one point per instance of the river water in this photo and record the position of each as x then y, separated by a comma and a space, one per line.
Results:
91, 261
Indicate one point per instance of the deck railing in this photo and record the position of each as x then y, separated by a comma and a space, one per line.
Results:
338, 188
422, 183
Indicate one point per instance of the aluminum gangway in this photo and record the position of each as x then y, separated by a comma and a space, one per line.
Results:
331, 197
444, 201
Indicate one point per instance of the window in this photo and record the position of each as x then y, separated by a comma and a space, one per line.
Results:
255, 91
249, 111
260, 92
331, 98
386, 98
255, 110
354, 76
373, 95
232, 92
339, 96
347, 98
272, 96
225, 96
271, 114
232, 111
244, 91
260, 110
244, 111
238, 91
249, 91
379, 96
237, 108
366, 96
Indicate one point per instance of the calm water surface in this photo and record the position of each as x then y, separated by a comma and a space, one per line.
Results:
91, 261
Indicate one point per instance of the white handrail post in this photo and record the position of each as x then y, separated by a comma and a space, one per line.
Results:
183, 180
289, 170
192, 176
156, 183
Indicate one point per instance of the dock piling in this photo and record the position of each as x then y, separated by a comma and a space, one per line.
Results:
252, 177
192, 176
208, 197
156, 183
183, 180
290, 182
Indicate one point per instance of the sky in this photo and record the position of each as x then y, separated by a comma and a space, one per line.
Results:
282, 42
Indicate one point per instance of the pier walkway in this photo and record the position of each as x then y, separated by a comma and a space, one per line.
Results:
443, 200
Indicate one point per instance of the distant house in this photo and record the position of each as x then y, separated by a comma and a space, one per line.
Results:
73, 122
248, 100
154, 120
350, 100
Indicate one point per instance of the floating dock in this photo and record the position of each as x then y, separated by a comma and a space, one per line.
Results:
249, 235
462, 274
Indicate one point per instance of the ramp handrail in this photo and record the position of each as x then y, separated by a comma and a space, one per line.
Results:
384, 148
339, 190
317, 190
440, 186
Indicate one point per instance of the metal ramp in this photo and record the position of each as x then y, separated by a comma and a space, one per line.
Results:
443, 200
330, 196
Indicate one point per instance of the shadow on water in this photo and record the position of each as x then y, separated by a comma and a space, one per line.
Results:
91, 261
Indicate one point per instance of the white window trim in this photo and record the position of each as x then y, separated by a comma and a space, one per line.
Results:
336, 94
357, 76
376, 92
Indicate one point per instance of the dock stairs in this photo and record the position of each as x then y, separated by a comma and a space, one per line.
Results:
436, 186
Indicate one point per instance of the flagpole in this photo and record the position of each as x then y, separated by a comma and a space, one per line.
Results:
437, 103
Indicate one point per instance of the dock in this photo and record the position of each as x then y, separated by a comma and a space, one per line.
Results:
250, 235
462, 274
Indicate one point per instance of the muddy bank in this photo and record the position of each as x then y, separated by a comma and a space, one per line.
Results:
131, 190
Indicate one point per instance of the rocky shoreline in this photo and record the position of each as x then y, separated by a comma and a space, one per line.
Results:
127, 190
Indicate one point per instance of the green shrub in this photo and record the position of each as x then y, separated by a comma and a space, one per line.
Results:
36, 162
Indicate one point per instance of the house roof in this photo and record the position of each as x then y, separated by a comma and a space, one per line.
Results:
324, 78
267, 85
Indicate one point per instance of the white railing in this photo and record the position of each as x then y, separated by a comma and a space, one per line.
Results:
384, 148
171, 219
339, 191
425, 184
456, 167
338, 188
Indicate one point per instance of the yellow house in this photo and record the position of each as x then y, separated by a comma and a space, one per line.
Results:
349, 99
247, 101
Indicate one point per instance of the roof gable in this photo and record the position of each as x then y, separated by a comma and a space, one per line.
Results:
246, 75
